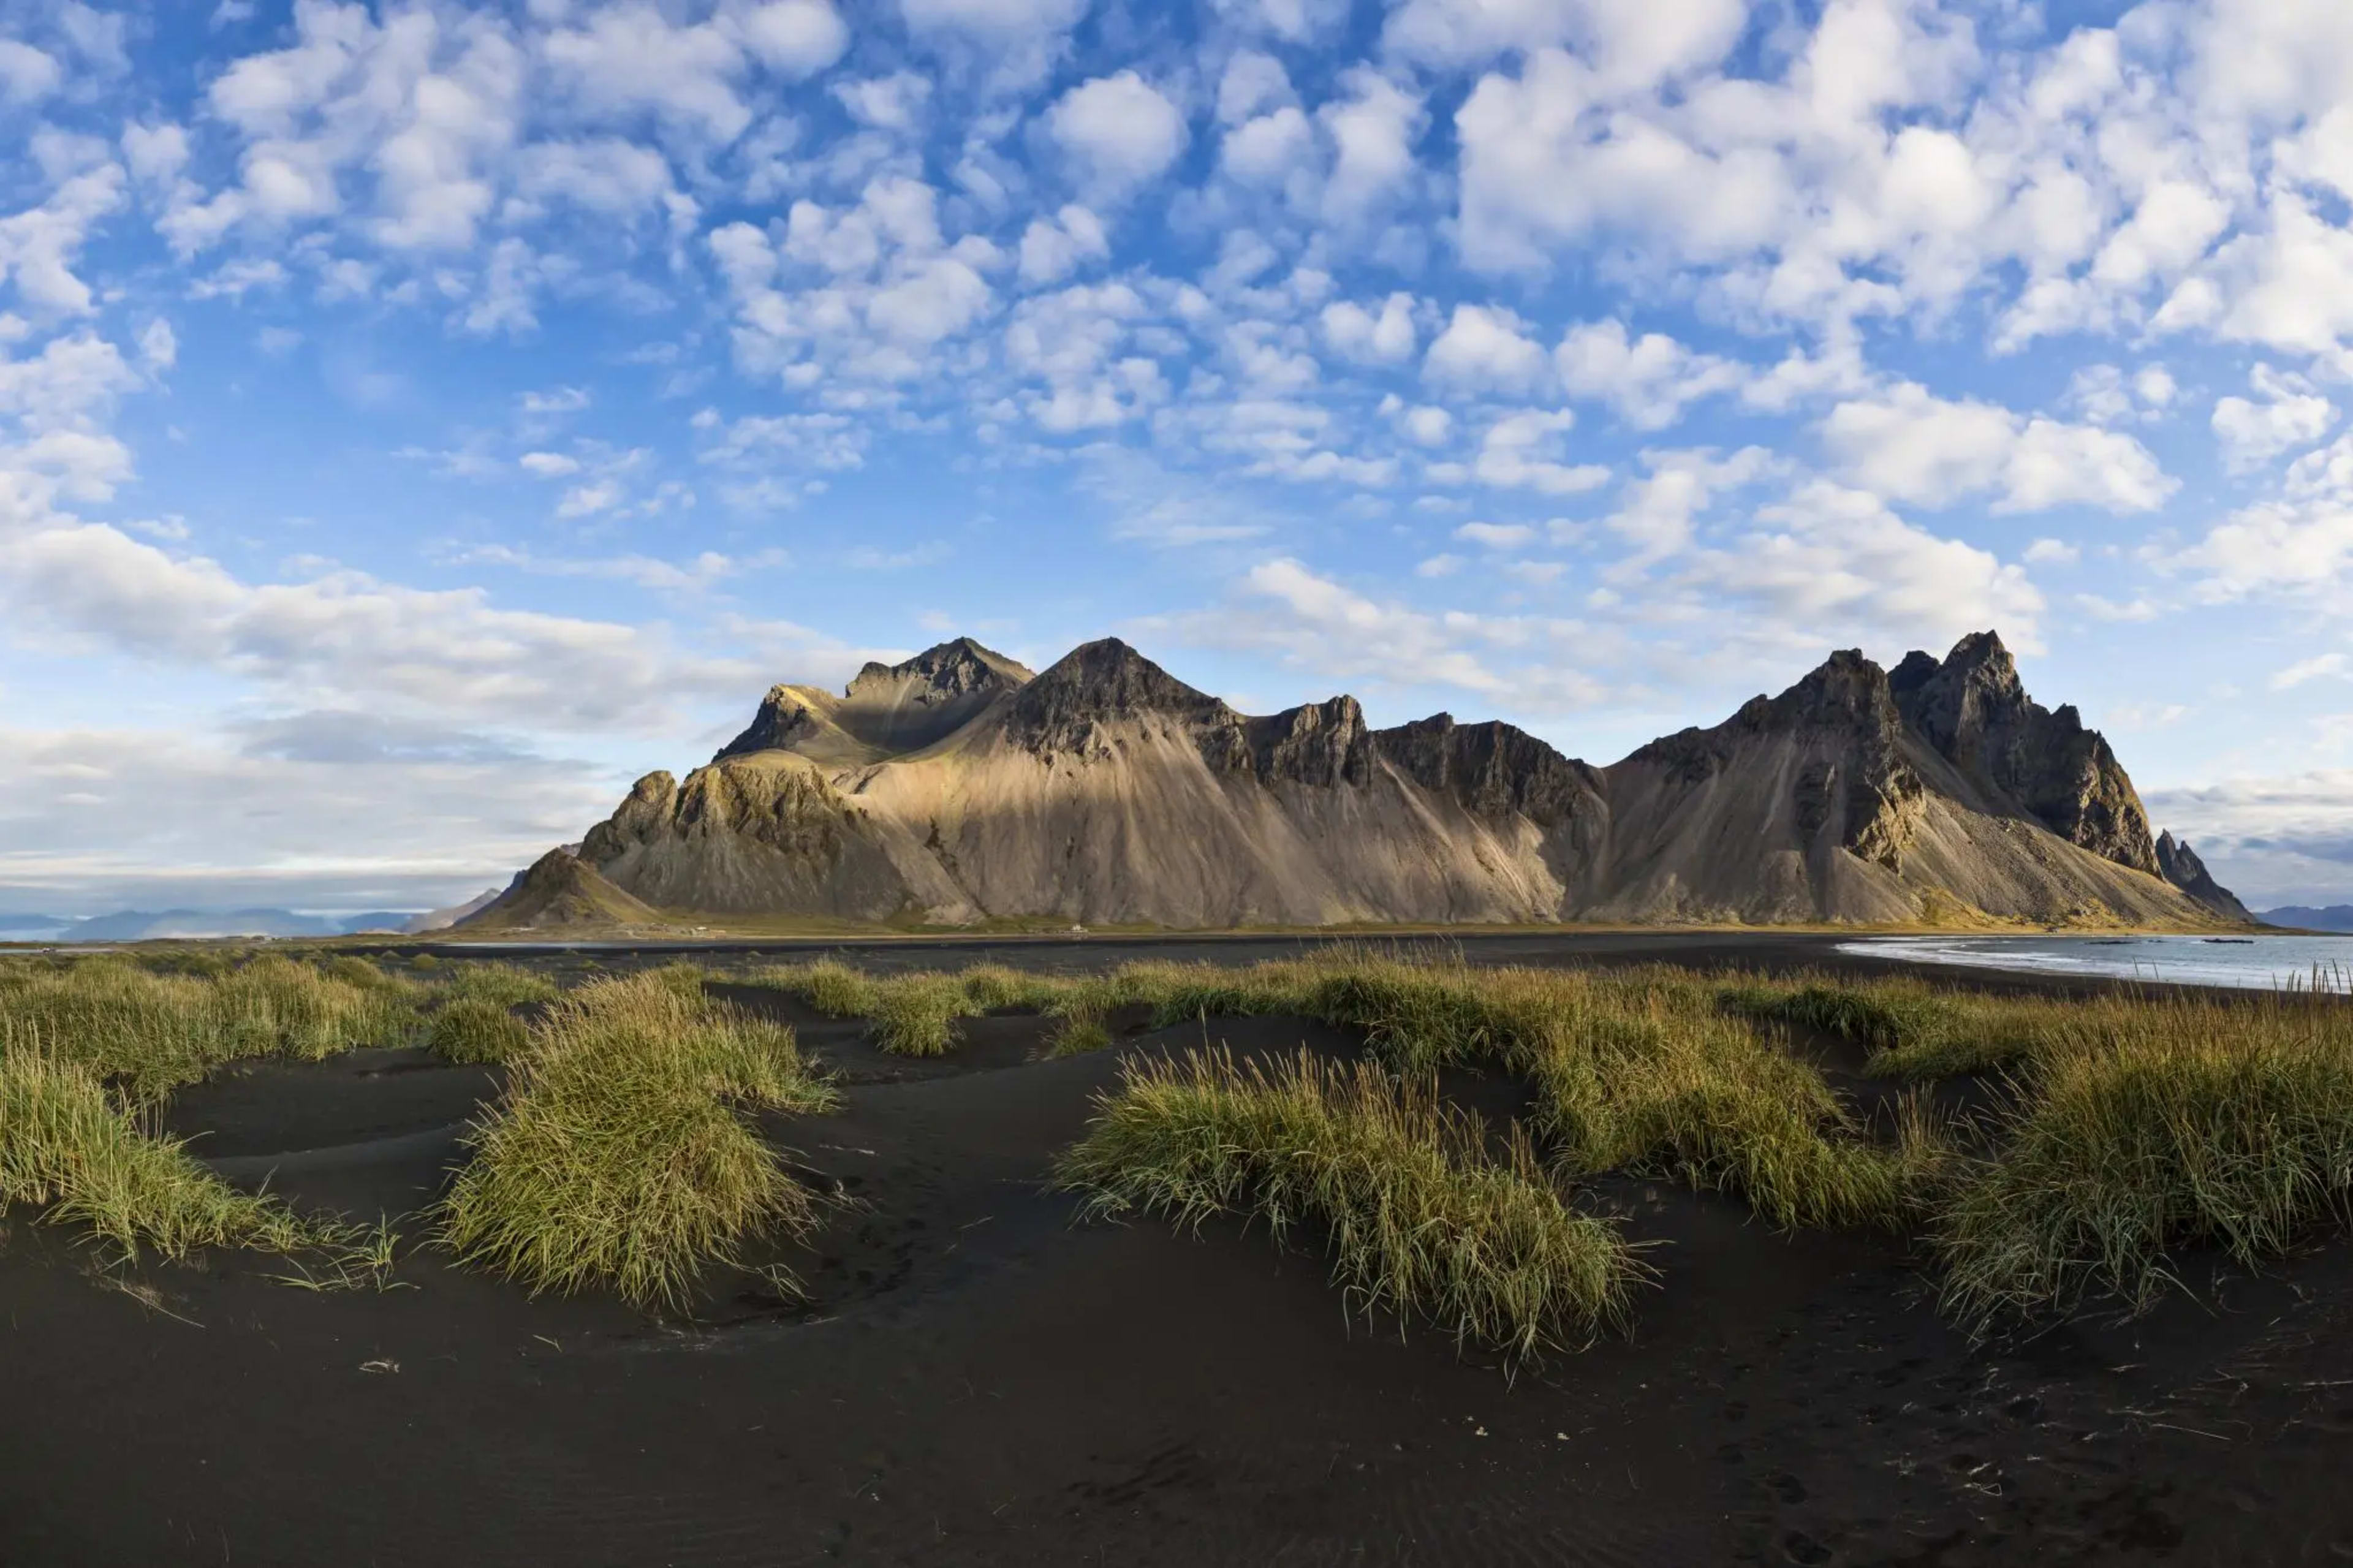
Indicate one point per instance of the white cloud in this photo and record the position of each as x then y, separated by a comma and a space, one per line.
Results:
548, 465
1372, 131
629, 58
1497, 535
39, 246
1356, 333
449, 654
1054, 247
795, 38
1119, 131
1649, 381
2053, 553
2291, 414
1483, 349
26, 73
1908, 445
1252, 82
1632, 45
2313, 669
1835, 566
1657, 512
1520, 451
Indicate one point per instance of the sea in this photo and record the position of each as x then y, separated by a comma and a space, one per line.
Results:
2250, 963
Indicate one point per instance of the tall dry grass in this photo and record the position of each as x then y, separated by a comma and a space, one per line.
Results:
149, 1033
2145, 1126
620, 1155
1421, 1219
68, 1146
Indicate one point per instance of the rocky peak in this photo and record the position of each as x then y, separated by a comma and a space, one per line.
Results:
1320, 744
1494, 768
1098, 681
948, 670
2180, 866
1974, 710
1845, 692
785, 717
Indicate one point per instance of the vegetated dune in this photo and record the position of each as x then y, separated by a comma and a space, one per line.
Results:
958, 788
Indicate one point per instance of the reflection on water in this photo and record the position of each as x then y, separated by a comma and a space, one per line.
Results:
2257, 963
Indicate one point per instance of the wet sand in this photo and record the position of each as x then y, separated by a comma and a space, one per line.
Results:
974, 1379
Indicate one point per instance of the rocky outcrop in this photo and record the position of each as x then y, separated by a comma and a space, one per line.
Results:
1494, 769
887, 709
2027, 759
957, 787
1095, 687
2179, 864
559, 890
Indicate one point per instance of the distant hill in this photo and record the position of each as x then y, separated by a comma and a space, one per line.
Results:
958, 786
441, 919
158, 925
2336, 916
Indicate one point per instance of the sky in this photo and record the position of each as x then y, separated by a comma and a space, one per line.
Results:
418, 420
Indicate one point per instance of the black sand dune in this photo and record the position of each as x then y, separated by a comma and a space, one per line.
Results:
974, 1380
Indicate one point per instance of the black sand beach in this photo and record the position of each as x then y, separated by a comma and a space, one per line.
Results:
974, 1379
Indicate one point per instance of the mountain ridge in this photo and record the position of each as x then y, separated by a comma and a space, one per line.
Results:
958, 786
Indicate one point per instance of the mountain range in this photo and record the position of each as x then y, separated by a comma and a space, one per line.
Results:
2304, 917
145, 925
960, 787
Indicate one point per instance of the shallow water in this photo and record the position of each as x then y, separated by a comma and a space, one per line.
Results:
2257, 963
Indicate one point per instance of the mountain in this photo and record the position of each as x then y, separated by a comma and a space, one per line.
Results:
375, 922
140, 925
560, 890
2303, 917
958, 786
441, 919
2178, 864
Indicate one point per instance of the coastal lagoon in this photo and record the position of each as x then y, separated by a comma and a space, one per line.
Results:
2242, 963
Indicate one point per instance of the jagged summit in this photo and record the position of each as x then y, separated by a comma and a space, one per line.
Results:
886, 710
957, 787
2181, 866
560, 888
1099, 681
956, 666
2025, 759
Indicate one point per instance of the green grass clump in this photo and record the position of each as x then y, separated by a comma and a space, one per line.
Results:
1635, 1068
506, 985
473, 1030
70, 1146
619, 1154
1421, 1219
151, 1032
2145, 1126
908, 1015
1912, 1029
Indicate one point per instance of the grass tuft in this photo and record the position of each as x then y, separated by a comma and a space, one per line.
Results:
619, 1154
1421, 1219
2145, 1127
473, 1030
70, 1146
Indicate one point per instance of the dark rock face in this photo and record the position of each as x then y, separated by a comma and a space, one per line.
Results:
1322, 743
2180, 866
953, 679
1058, 710
1975, 711
1494, 768
950, 670
645, 813
782, 719
1844, 711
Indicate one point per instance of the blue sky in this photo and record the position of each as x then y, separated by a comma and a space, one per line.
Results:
417, 420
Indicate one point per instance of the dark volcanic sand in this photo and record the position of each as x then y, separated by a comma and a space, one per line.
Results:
974, 1379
